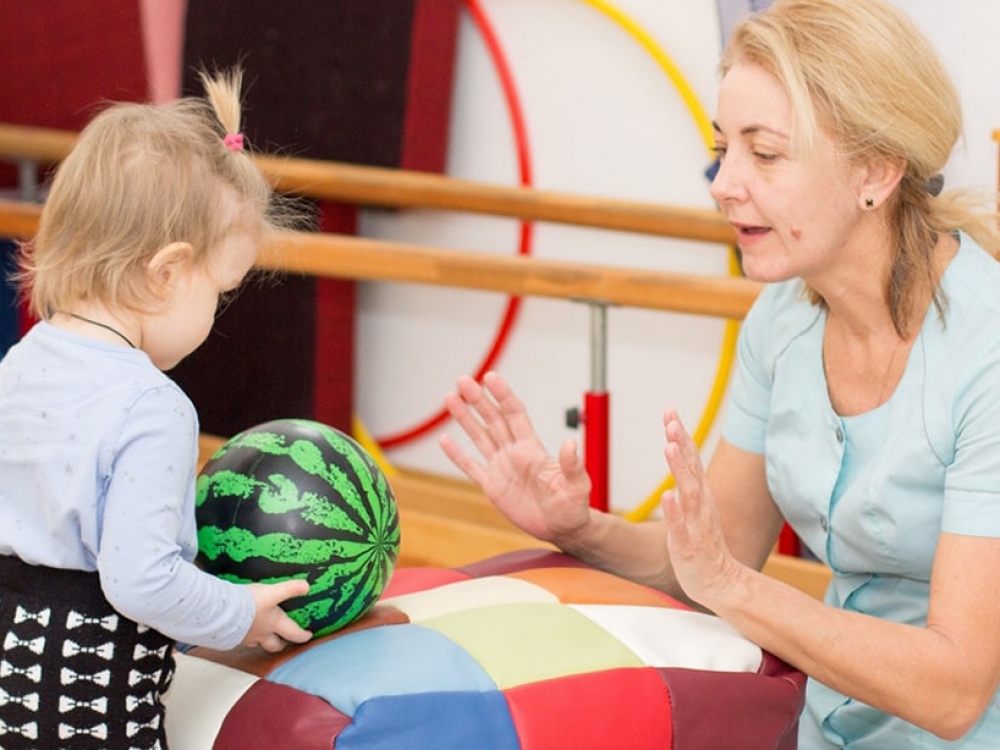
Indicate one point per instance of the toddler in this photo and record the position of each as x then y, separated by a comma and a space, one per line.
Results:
154, 217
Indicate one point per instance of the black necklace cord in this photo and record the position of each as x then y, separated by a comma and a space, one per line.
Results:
105, 326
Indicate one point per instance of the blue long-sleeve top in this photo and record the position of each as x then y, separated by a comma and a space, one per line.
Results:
98, 452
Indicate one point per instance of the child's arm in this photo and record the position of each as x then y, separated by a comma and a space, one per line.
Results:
148, 538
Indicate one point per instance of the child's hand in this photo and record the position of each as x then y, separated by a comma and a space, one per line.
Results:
272, 629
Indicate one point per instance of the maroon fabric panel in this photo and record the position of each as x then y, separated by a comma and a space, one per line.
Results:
268, 710
327, 78
774, 697
62, 57
429, 83
59, 65
333, 362
256, 364
367, 83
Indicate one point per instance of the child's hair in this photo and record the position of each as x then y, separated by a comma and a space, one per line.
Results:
140, 177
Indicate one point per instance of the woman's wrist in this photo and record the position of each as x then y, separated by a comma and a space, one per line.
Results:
730, 591
581, 539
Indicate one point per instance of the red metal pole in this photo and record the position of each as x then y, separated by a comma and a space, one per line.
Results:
788, 542
596, 447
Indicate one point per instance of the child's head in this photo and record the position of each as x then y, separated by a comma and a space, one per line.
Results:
141, 177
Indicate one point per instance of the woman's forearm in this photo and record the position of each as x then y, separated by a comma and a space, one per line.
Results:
921, 674
636, 551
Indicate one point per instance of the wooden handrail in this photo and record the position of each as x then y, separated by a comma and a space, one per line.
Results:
355, 184
44, 145
392, 187
342, 256
357, 258
350, 257
18, 220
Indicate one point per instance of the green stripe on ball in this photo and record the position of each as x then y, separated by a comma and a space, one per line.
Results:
293, 498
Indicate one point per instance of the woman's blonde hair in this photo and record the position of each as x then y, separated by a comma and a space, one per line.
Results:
140, 177
861, 72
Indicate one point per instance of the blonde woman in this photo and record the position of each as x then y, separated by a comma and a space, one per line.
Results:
866, 407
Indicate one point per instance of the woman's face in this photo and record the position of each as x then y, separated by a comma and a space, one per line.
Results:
793, 216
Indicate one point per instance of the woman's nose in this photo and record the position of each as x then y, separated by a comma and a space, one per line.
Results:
727, 185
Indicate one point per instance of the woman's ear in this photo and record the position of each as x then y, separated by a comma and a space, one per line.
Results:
879, 179
167, 264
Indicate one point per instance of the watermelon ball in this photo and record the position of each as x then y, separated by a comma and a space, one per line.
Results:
293, 498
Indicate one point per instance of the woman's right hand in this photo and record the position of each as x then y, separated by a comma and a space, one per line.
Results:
546, 497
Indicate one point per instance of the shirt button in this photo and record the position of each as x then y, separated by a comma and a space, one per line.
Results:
824, 524
840, 435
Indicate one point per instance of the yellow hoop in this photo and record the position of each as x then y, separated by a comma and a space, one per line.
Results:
704, 125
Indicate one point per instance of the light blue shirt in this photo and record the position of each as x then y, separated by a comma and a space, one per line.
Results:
98, 451
870, 494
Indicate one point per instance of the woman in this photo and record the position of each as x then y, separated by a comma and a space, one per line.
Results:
866, 407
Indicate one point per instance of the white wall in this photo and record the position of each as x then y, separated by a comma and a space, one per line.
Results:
604, 119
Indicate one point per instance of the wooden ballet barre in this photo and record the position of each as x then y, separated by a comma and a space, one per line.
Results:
343, 256
379, 260
44, 145
380, 186
18, 220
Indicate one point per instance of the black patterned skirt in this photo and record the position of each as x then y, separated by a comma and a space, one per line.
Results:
73, 672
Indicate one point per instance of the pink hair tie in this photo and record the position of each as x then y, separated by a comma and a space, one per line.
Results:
233, 141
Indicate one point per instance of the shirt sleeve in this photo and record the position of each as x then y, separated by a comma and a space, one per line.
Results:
144, 557
972, 482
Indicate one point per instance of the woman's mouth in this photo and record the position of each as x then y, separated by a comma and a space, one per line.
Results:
748, 235
750, 230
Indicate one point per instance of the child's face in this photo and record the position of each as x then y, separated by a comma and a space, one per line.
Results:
186, 320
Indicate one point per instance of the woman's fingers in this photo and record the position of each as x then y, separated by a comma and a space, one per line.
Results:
516, 424
684, 507
477, 412
458, 407
496, 422
475, 471
685, 464
495, 401
569, 460
490, 413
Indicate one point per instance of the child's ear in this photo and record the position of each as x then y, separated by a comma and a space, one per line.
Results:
165, 265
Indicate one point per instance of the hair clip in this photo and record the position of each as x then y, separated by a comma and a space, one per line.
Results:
233, 141
935, 184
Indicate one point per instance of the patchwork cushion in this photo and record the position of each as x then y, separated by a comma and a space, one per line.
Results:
529, 650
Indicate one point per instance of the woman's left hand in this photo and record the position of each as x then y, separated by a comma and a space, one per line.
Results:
702, 562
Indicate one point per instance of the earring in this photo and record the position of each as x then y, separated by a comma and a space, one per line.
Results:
869, 202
